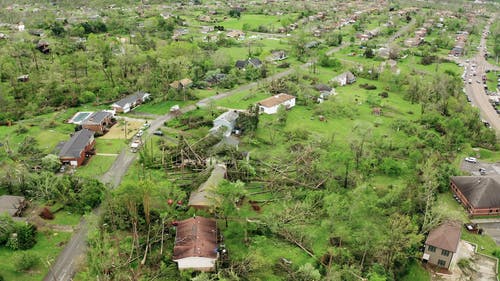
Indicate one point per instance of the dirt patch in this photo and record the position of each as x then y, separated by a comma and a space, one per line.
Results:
118, 130
255, 206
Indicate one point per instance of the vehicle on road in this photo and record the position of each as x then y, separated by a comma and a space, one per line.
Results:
471, 160
140, 133
134, 146
482, 171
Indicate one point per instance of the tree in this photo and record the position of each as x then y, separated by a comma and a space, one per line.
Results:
7, 227
307, 272
227, 196
51, 162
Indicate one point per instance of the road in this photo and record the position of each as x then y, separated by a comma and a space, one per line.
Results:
476, 90
66, 264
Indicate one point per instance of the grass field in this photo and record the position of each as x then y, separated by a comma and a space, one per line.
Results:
111, 146
96, 166
47, 248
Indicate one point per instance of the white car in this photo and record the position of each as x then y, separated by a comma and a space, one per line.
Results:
139, 134
471, 159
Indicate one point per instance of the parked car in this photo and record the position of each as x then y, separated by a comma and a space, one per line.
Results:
471, 159
482, 171
140, 133
158, 133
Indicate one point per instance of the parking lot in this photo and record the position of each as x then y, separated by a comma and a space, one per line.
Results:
473, 168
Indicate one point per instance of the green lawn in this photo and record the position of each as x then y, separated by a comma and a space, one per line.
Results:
63, 217
47, 248
112, 146
160, 108
242, 100
96, 166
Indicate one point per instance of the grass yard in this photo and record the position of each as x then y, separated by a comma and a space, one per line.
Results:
111, 146
63, 217
118, 130
242, 100
96, 166
416, 273
160, 108
48, 246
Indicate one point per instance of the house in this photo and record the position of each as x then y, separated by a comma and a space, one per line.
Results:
271, 104
129, 102
78, 148
23, 78
236, 34
278, 55
312, 44
324, 91
43, 46
195, 245
480, 195
12, 205
413, 42
203, 197
226, 122
215, 78
206, 29
99, 122
242, 64
442, 244
345, 78
181, 84
457, 51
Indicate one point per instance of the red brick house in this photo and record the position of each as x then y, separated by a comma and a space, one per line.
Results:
480, 195
78, 148
99, 122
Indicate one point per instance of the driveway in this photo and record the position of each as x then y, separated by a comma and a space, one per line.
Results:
473, 168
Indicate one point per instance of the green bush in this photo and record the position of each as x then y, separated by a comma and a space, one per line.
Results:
25, 261
7, 227
23, 238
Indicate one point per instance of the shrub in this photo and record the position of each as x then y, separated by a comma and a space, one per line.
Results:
23, 238
25, 261
7, 227
384, 95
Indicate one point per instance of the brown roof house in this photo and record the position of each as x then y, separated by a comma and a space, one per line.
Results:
181, 84
271, 104
99, 122
129, 102
442, 244
480, 195
196, 245
78, 148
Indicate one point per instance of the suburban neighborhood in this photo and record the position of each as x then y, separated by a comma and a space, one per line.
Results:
250, 140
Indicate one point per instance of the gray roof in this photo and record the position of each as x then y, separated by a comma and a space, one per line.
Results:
131, 98
229, 116
322, 87
97, 117
480, 191
10, 204
74, 146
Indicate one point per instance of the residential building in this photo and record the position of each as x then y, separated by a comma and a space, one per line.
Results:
99, 122
196, 244
203, 197
271, 104
12, 205
79, 147
442, 244
345, 78
225, 123
129, 102
480, 195
181, 84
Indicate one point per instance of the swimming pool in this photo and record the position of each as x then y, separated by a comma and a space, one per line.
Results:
79, 117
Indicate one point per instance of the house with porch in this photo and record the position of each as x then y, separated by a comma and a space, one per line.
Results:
129, 102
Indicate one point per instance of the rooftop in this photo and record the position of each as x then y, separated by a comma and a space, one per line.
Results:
196, 237
446, 236
276, 100
74, 146
480, 191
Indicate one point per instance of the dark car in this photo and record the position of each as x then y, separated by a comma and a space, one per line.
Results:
158, 133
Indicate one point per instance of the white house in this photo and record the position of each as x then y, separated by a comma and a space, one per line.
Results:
196, 245
127, 103
226, 121
271, 104
345, 78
